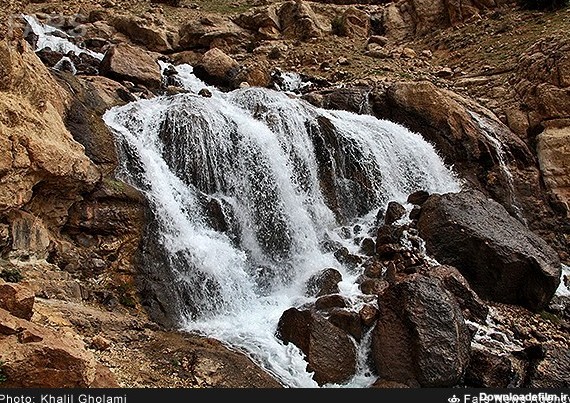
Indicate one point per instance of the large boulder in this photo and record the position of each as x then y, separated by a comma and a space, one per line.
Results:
502, 259
485, 153
421, 337
298, 21
329, 351
212, 31
124, 62
146, 33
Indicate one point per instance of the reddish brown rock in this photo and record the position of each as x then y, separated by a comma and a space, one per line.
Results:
17, 299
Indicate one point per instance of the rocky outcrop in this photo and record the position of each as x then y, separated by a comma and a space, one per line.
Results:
153, 36
298, 21
501, 259
541, 82
35, 356
37, 149
553, 150
405, 19
212, 31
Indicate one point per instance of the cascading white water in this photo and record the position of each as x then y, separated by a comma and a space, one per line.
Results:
286, 175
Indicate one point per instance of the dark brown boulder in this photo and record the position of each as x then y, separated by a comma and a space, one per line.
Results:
323, 283
501, 259
488, 369
421, 337
329, 351
473, 308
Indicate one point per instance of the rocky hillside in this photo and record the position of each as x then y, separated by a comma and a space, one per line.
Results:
486, 82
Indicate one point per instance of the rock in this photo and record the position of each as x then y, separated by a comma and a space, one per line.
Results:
324, 283
348, 321
421, 336
265, 22
126, 62
542, 81
418, 198
394, 211
501, 259
29, 235
553, 150
354, 23
145, 33
217, 68
45, 178
17, 299
329, 351
38, 357
212, 31
330, 301
472, 307
298, 21
488, 369
554, 370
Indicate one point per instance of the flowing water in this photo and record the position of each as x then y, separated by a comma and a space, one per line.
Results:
252, 191
288, 179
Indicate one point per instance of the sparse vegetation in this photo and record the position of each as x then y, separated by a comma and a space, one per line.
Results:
545, 5
11, 275
3, 377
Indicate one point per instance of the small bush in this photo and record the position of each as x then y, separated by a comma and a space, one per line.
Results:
337, 26
11, 275
544, 5
3, 377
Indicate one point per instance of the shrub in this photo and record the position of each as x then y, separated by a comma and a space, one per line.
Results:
11, 275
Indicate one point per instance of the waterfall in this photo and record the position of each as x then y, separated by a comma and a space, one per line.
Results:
248, 190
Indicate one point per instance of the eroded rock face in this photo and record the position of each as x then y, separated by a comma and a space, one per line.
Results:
421, 338
299, 21
542, 80
553, 150
36, 148
406, 19
501, 259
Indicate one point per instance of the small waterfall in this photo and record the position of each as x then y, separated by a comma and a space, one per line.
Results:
49, 37
247, 188
501, 155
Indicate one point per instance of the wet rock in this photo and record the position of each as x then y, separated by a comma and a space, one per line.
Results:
421, 336
500, 258
329, 351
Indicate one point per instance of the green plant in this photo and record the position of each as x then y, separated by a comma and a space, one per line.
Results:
337, 26
125, 295
11, 275
3, 377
